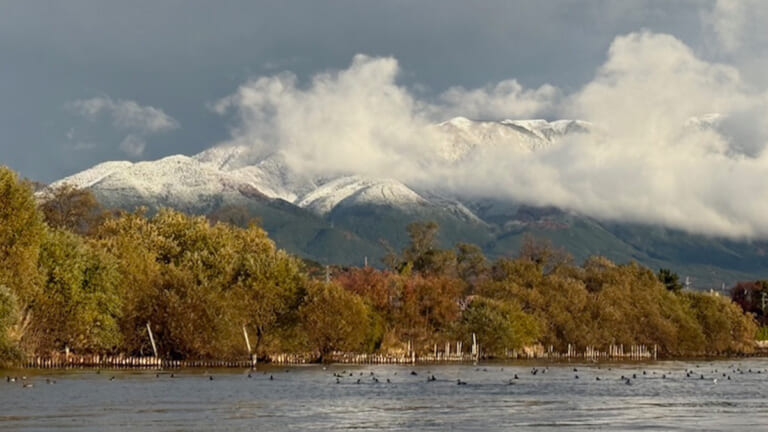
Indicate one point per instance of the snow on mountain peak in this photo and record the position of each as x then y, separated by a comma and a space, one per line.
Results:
358, 189
93, 175
463, 136
225, 157
230, 173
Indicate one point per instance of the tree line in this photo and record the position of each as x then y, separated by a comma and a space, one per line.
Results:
73, 276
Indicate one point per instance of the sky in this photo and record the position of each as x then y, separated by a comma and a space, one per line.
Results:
82, 82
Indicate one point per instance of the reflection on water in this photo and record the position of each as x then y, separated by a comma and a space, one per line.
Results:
650, 396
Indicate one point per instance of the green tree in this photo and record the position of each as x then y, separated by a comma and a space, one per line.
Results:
199, 284
499, 325
726, 328
268, 285
8, 319
21, 233
544, 254
471, 265
79, 306
670, 280
135, 244
422, 253
334, 319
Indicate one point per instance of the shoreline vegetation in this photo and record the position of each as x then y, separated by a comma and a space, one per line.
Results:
78, 282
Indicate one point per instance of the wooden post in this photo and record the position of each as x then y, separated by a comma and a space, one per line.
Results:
152, 339
248, 345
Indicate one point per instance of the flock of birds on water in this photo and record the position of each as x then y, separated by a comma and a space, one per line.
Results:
355, 377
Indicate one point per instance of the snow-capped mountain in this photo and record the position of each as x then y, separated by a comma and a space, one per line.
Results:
341, 219
463, 136
357, 189
227, 175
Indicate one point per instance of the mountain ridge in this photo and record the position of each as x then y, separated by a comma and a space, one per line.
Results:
341, 219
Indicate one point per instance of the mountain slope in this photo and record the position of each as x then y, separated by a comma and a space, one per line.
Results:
342, 219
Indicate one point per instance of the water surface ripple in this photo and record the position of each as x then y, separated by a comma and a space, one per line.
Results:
663, 396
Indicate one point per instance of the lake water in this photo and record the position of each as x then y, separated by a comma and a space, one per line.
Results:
303, 398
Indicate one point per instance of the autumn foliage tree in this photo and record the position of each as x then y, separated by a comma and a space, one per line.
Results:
71, 277
199, 284
334, 319
71, 208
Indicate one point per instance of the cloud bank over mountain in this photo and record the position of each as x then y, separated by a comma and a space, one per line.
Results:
677, 140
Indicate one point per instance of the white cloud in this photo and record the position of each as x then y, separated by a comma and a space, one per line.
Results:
133, 145
125, 114
727, 18
737, 30
354, 120
507, 99
652, 166
649, 163
737, 24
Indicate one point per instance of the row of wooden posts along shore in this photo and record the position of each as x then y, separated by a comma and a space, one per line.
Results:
536, 352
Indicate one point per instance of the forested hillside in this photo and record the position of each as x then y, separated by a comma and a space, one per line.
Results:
74, 276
